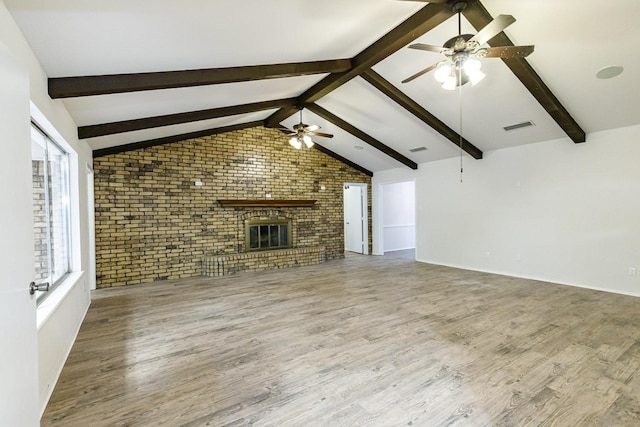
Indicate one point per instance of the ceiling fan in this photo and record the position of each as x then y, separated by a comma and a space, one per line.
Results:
302, 133
464, 50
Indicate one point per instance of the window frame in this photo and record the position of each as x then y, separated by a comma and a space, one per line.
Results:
66, 215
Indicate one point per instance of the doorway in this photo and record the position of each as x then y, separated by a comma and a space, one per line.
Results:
356, 232
398, 216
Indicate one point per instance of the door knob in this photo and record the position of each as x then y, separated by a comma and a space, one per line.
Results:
42, 287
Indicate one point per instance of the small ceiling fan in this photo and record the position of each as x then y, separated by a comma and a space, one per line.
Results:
464, 50
302, 133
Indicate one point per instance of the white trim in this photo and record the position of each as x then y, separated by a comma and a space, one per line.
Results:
379, 244
365, 212
537, 279
47, 127
399, 249
91, 226
74, 185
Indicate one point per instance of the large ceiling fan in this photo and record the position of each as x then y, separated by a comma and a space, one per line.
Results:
302, 133
464, 50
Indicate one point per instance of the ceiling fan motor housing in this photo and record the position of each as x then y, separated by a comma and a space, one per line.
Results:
459, 6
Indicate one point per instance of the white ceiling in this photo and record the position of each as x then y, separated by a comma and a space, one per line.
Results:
573, 39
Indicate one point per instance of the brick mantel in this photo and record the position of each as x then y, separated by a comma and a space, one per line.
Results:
261, 203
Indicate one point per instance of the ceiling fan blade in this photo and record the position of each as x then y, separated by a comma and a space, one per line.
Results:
322, 134
506, 52
492, 29
286, 130
311, 128
427, 47
419, 73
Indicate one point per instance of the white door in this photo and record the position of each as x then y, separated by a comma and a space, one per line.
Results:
18, 336
353, 219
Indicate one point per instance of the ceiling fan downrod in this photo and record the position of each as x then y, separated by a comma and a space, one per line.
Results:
458, 7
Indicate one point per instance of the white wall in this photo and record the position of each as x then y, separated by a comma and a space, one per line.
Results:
59, 318
555, 211
398, 216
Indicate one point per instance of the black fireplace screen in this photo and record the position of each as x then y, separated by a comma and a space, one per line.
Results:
262, 235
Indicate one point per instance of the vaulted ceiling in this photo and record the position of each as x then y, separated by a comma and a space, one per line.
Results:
147, 72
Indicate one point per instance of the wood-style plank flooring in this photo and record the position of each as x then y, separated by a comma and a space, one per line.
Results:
374, 341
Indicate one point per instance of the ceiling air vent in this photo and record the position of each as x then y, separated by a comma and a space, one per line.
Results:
417, 149
519, 125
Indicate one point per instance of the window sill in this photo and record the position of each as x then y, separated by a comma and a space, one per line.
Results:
53, 301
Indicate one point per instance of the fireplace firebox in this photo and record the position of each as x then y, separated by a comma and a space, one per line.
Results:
267, 234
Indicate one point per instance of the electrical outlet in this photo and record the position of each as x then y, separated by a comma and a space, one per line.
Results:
632, 271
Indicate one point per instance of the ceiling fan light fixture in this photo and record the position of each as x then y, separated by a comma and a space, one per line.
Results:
295, 143
470, 65
450, 83
475, 76
442, 72
307, 141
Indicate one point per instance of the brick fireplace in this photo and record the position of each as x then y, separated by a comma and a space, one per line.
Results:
159, 216
266, 239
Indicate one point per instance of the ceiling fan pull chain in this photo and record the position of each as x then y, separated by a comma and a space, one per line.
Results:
460, 123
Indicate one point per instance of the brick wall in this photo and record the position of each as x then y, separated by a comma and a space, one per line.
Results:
154, 223
40, 222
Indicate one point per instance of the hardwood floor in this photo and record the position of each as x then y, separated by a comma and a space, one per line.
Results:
375, 341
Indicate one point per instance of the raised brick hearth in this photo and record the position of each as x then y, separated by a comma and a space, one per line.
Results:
222, 265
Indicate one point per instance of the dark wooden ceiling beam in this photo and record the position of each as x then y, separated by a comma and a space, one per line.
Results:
413, 27
478, 16
384, 86
336, 156
67, 87
344, 160
92, 131
315, 108
174, 138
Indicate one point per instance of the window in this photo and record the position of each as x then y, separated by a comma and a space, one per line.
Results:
51, 216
